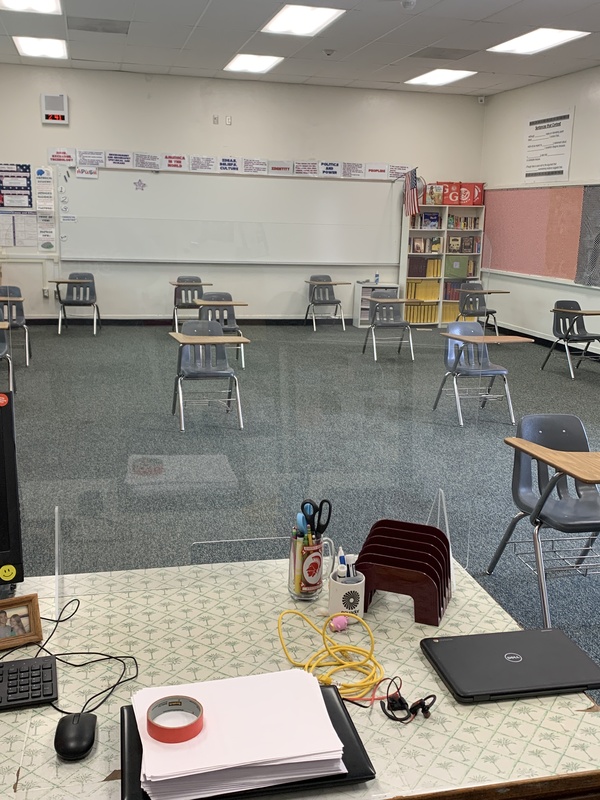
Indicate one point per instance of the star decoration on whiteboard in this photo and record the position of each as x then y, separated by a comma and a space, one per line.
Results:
139, 184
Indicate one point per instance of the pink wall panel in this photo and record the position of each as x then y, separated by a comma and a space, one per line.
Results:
533, 231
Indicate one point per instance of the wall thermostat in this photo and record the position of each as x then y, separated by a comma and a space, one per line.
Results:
55, 109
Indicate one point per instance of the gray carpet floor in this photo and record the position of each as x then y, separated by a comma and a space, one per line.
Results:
96, 438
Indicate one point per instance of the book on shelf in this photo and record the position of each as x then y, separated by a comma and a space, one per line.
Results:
418, 244
454, 244
435, 244
467, 244
434, 268
433, 194
459, 266
431, 219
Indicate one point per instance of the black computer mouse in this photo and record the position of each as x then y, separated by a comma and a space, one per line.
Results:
74, 737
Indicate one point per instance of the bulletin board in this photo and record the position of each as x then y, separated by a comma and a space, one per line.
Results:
534, 231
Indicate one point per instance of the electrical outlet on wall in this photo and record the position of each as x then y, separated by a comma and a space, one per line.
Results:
46, 292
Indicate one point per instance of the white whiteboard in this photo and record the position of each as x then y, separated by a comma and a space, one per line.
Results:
228, 219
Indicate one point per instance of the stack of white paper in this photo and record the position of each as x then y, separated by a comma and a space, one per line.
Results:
258, 731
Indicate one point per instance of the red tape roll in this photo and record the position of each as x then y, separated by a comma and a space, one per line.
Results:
179, 733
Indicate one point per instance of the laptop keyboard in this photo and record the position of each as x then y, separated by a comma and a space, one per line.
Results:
27, 682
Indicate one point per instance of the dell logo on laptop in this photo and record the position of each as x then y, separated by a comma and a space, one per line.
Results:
514, 657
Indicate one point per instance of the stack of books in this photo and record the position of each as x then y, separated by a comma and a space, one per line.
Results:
260, 730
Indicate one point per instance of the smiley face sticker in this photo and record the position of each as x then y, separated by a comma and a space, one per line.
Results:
7, 572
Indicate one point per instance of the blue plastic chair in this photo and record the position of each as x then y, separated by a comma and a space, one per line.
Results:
471, 361
78, 295
225, 315
387, 316
14, 314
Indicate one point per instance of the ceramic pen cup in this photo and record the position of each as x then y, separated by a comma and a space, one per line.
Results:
307, 566
347, 594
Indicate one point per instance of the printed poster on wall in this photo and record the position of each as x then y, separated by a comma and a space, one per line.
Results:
281, 167
146, 161
230, 164
91, 158
62, 155
203, 163
548, 147
15, 186
255, 166
116, 159
330, 169
44, 189
173, 162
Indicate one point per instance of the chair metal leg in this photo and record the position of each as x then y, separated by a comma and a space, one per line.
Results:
504, 541
229, 394
493, 316
99, 317
457, 398
582, 356
27, 346
307, 310
342, 316
174, 404
11, 380
549, 354
569, 360
366, 339
239, 403
180, 397
314, 321
439, 394
242, 358
508, 400
60, 314
488, 390
175, 323
94, 311
374, 339
410, 341
541, 575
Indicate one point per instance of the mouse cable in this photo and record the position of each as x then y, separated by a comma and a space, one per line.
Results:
56, 622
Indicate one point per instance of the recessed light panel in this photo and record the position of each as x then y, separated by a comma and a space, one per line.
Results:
302, 20
440, 77
35, 6
244, 62
40, 48
536, 41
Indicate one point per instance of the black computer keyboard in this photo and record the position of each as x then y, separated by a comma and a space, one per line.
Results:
27, 682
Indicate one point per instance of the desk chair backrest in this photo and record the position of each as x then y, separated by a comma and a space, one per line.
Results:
186, 295
321, 295
225, 315
386, 314
12, 310
558, 432
473, 356
202, 356
471, 305
562, 320
83, 294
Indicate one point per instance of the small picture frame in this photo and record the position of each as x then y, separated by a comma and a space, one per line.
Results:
20, 621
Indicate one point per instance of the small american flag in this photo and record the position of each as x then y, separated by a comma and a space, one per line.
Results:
411, 194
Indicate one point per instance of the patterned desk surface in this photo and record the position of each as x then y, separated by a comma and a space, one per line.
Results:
201, 622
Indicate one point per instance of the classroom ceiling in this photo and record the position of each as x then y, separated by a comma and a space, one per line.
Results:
377, 44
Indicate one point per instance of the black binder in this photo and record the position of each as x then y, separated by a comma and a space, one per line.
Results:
355, 756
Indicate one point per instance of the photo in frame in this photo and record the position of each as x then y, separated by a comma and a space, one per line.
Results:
20, 621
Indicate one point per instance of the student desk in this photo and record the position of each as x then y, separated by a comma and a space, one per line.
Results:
223, 303
196, 623
183, 338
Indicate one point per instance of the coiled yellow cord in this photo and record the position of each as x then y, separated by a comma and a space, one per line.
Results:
335, 657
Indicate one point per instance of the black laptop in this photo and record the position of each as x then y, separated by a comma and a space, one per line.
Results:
358, 763
510, 665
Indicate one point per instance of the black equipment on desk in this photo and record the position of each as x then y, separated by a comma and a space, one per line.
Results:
27, 682
11, 552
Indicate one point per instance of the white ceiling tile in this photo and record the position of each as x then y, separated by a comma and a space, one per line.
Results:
318, 81
379, 54
100, 51
587, 47
185, 12
341, 69
192, 72
96, 65
147, 69
480, 36
296, 66
539, 13
7, 46
254, 14
151, 34
152, 56
99, 9
587, 19
469, 9
91, 38
424, 30
47, 26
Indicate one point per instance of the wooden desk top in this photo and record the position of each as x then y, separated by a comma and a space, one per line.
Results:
579, 313
223, 303
584, 466
328, 283
72, 280
191, 284
183, 338
404, 300
530, 748
488, 339
485, 291
4, 326
10, 299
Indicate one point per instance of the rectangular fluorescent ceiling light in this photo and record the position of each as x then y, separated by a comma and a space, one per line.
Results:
40, 48
536, 41
440, 77
244, 62
302, 20
36, 6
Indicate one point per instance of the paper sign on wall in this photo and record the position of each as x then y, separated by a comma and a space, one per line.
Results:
230, 164
91, 158
146, 161
173, 162
86, 172
119, 160
330, 169
203, 163
255, 166
62, 155
281, 167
